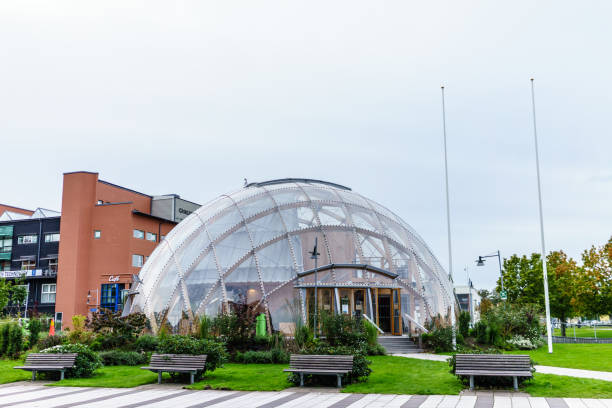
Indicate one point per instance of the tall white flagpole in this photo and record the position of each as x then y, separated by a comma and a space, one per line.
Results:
544, 271
450, 252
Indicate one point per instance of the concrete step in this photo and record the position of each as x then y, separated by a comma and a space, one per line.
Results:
398, 345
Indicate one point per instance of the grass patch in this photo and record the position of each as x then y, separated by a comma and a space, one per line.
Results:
602, 332
559, 386
245, 377
8, 374
596, 357
113, 377
399, 375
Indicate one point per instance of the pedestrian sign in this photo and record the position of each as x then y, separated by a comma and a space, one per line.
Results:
503, 295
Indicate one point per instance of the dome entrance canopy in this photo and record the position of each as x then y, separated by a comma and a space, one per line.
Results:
253, 246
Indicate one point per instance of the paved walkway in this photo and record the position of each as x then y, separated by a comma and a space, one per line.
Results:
572, 372
26, 395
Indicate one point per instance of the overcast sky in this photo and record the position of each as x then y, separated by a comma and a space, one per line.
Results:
192, 97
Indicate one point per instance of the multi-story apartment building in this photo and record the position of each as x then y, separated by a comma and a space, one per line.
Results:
29, 253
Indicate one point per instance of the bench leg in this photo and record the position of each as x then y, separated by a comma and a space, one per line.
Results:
514, 380
191, 378
61, 375
159, 375
301, 379
339, 380
33, 375
471, 382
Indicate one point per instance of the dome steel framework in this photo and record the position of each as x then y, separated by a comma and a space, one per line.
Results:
253, 246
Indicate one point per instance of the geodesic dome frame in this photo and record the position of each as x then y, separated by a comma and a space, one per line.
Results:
252, 245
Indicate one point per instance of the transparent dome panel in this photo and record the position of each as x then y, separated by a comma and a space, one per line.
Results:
233, 248
276, 263
256, 205
242, 285
266, 228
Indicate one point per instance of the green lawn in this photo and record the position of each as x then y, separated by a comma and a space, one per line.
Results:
548, 385
246, 377
399, 375
596, 357
602, 332
8, 374
113, 377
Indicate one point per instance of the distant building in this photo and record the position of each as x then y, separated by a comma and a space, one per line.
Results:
469, 301
107, 233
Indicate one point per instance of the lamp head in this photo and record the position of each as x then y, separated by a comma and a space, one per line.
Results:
480, 261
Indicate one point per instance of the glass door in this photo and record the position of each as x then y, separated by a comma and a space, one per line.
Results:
359, 302
384, 310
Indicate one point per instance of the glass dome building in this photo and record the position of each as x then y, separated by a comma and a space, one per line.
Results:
255, 246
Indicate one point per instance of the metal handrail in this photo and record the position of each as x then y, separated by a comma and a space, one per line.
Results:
417, 324
370, 320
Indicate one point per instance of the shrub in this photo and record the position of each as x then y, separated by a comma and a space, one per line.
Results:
15, 343
50, 341
78, 334
35, 326
371, 333
464, 323
146, 342
87, 361
177, 344
303, 336
204, 327
524, 343
483, 381
439, 339
114, 330
4, 338
120, 357
275, 356
375, 350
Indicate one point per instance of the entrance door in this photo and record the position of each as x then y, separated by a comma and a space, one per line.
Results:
384, 310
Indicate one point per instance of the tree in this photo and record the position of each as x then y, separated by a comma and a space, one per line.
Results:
597, 280
524, 283
485, 301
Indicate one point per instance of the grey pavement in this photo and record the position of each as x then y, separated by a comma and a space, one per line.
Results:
28, 395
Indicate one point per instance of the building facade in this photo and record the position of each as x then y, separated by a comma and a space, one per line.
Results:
469, 301
29, 248
107, 233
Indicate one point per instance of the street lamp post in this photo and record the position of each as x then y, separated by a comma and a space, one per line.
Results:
481, 260
315, 255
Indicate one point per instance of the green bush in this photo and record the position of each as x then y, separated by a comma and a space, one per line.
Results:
34, 326
486, 382
439, 339
177, 344
15, 344
371, 333
375, 350
50, 341
146, 342
87, 360
120, 357
464, 323
303, 336
275, 356
5, 329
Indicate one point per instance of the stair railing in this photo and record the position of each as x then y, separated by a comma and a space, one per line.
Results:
417, 324
370, 320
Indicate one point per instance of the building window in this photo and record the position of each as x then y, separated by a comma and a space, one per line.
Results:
6, 244
27, 239
161, 238
97, 234
111, 298
139, 234
151, 237
52, 237
53, 265
28, 265
100, 202
5, 265
48, 293
137, 260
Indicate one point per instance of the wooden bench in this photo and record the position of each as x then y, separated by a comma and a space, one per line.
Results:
176, 363
493, 365
48, 362
320, 365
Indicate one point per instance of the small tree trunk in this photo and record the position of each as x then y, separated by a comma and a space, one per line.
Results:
563, 326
